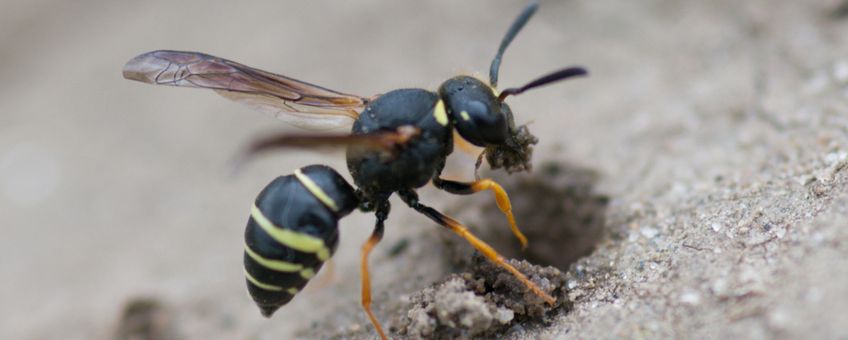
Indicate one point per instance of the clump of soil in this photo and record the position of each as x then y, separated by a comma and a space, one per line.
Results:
483, 302
516, 155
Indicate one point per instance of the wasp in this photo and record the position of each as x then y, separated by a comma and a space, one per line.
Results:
399, 142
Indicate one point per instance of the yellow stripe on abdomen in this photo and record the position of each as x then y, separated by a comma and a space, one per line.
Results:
261, 284
276, 265
316, 190
290, 238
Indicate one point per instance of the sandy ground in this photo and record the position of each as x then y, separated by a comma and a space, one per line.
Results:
717, 131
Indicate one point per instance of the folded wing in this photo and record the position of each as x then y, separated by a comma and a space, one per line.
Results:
296, 102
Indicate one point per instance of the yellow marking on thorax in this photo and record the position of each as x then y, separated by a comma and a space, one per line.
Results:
440, 114
280, 266
316, 190
465, 115
261, 284
295, 240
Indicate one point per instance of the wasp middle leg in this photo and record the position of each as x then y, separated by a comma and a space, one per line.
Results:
382, 212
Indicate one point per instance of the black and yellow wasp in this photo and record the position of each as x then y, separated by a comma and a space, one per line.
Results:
398, 143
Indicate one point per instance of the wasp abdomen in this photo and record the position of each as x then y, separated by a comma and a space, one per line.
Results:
292, 230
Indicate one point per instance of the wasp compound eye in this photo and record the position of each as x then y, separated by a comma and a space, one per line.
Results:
481, 125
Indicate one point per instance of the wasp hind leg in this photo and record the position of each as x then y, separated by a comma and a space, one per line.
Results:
382, 213
463, 188
411, 199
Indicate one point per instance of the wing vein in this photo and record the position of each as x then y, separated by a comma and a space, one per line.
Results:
296, 102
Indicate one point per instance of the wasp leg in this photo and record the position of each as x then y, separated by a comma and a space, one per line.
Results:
411, 199
478, 163
376, 236
461, 188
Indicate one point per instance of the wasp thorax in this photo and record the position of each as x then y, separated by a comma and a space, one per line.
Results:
475, 110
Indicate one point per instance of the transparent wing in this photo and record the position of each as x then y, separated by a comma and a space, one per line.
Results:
296, 102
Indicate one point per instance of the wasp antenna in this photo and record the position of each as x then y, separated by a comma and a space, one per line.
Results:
517, 25
552, 77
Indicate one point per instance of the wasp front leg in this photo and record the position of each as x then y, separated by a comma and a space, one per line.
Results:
468, 188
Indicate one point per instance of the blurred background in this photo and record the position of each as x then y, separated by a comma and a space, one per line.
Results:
113, 191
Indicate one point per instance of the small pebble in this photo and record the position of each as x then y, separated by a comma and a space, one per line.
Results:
649, 232
719, 287
716, 226
690, 297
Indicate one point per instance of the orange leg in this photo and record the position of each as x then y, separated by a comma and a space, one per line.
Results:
411, 199
478, 163
501, 198
376, 236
